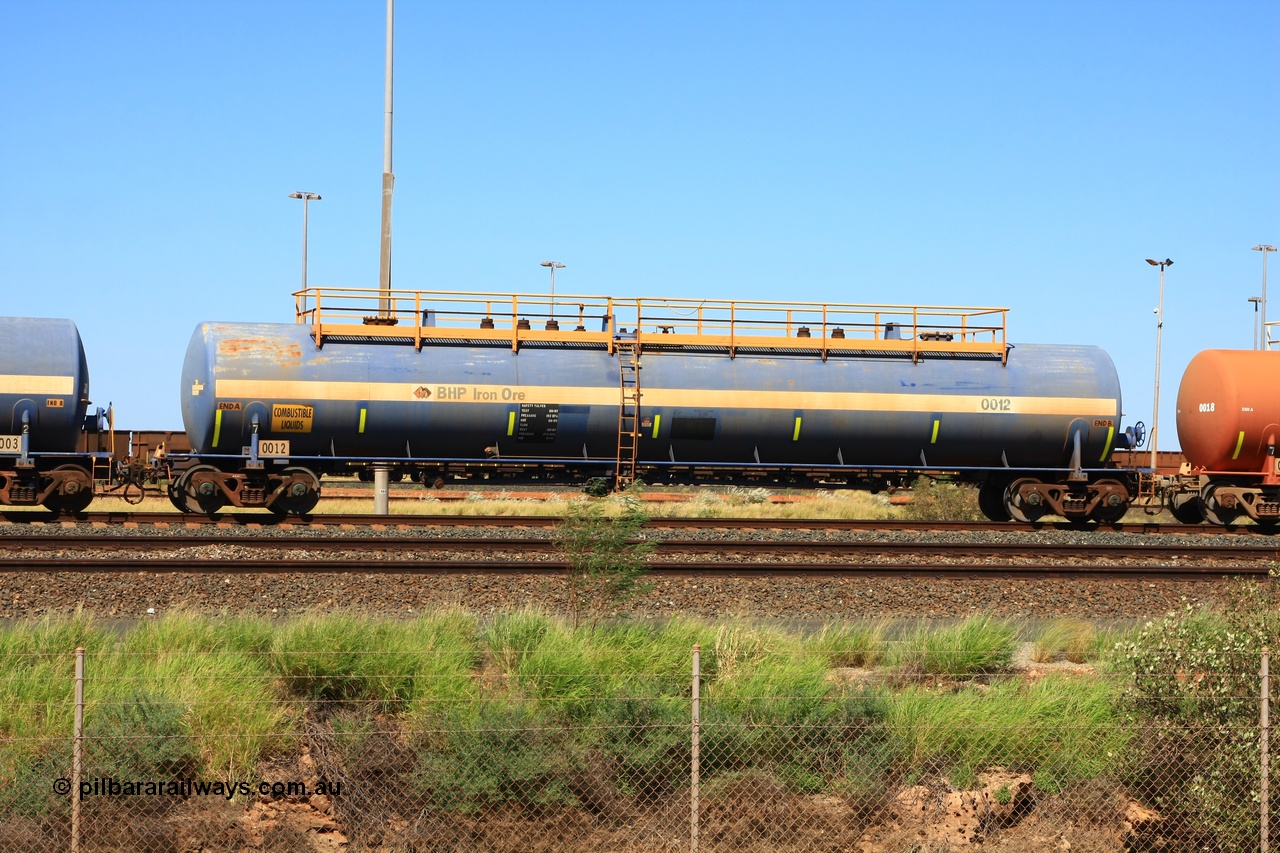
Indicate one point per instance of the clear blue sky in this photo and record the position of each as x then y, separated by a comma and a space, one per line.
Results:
1021, 154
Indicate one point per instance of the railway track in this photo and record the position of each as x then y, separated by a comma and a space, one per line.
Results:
901, 571
728, 547
727, 558
264, 520
776, 568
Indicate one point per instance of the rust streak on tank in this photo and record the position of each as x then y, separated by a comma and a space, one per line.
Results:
283, 354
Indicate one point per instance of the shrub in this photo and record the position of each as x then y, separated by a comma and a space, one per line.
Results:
597, 487
495, 752
1194, 696
932, 500
605, 563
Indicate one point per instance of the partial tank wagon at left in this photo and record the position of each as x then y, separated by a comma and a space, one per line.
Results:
44, 395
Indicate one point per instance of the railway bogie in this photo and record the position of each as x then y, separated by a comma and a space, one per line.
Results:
207, 488
1028, 498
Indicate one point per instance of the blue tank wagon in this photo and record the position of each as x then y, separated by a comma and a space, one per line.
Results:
425, 383
44, 392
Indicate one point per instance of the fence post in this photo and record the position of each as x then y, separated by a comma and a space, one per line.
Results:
695, 742
76, 746
1265, 734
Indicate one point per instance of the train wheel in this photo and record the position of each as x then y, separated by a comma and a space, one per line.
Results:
300, 494
197, 497
175, 491
1185, 508
1212, 511
1109, 513
1028, 510
991, 499
76, 493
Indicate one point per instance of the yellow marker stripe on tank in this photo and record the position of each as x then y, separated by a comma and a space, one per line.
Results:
657, 419
22, 383
702, 398
1239, 444
933, 439
217, 427
511, 423
795, 436
363, 414
1111, 434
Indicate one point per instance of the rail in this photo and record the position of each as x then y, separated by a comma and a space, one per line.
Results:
418, 316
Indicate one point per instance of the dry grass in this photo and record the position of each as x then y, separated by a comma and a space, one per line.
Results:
686, 502
690, 502
1072, 639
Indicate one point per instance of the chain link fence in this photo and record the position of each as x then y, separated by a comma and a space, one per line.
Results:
859, 760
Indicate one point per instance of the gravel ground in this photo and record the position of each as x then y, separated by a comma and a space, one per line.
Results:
136, 594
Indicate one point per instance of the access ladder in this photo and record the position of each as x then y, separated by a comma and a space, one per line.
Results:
628, 351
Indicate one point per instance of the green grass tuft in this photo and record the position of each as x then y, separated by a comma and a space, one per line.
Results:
979, 644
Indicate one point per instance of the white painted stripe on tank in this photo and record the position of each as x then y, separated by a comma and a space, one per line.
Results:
276, 390
25, 383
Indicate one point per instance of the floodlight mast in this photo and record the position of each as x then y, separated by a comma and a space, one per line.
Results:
388, 179
1155, 412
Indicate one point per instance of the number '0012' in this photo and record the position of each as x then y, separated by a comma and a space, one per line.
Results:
1206, 407
996, 404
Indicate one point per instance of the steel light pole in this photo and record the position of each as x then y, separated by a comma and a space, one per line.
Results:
1155, 415
1256, 300
1264, 248
306, 197
554, 265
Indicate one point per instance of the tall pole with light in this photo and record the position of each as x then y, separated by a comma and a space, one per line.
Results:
1264, 248
388, 177
306, 197
554, 265
1155, 414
